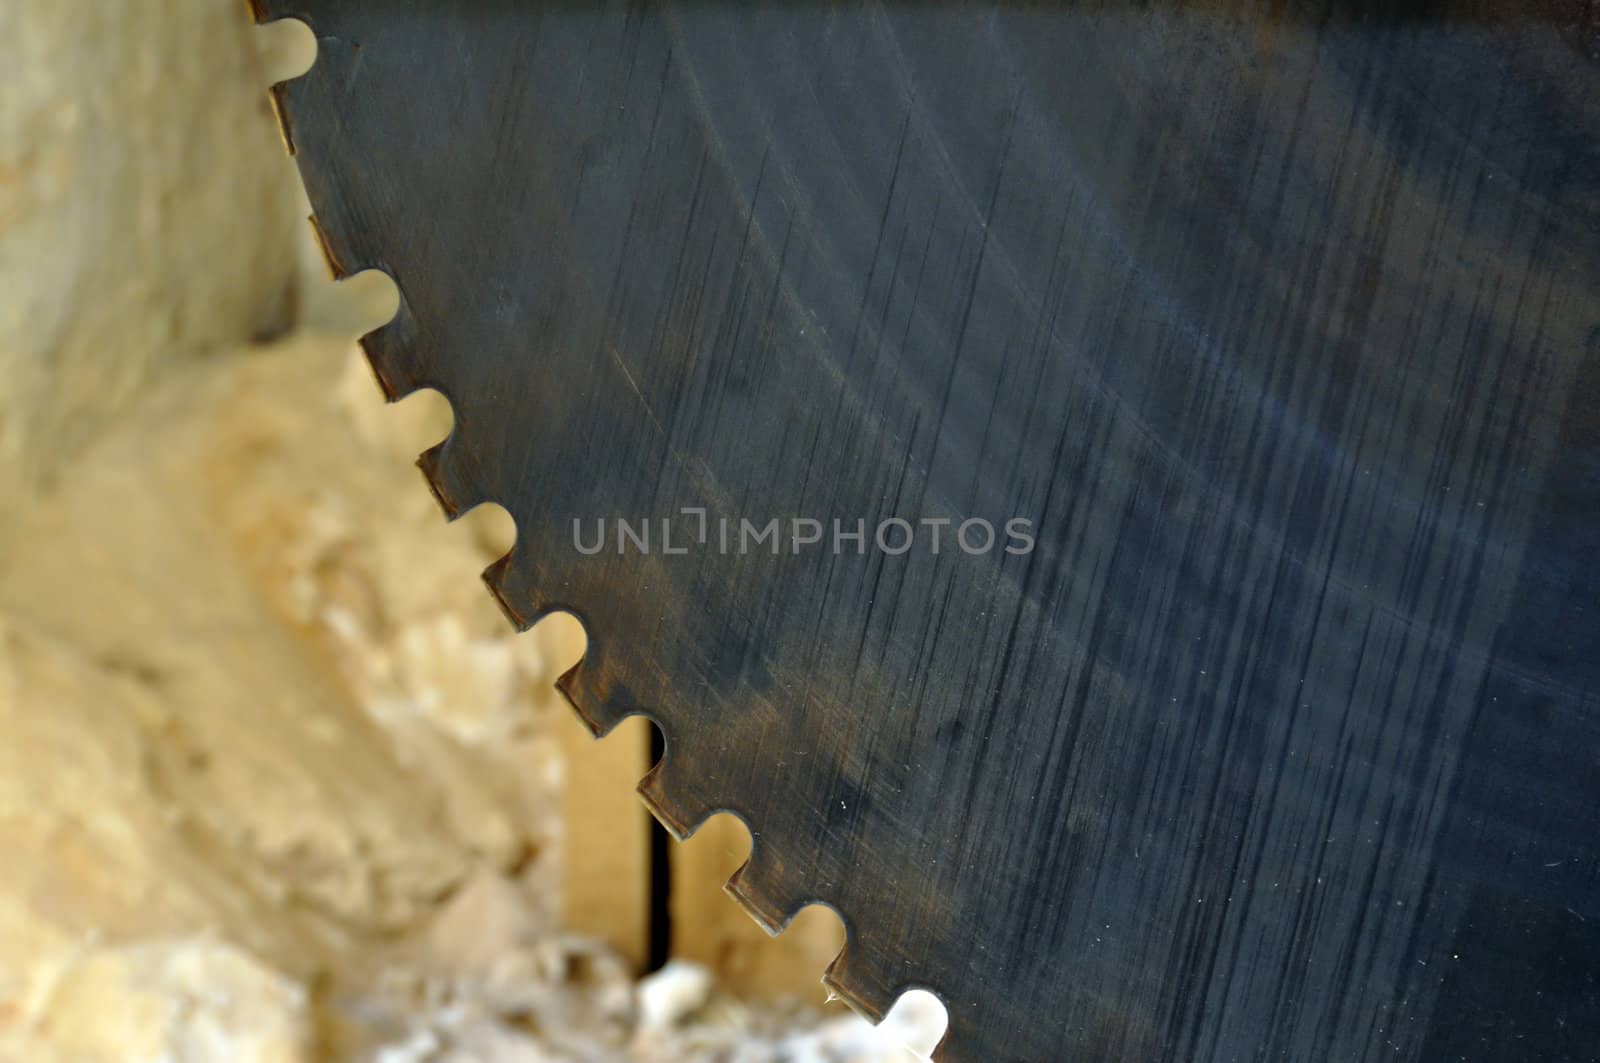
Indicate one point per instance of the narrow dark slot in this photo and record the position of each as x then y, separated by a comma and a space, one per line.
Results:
660, 877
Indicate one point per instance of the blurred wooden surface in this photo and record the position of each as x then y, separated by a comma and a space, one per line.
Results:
606, 856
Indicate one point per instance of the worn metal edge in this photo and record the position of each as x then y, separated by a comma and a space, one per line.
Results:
759, 886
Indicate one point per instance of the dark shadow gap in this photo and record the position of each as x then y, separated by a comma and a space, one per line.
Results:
660, 902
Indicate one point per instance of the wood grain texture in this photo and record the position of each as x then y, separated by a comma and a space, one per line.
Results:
1282, 325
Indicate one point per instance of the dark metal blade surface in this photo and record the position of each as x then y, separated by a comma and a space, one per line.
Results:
1275, 733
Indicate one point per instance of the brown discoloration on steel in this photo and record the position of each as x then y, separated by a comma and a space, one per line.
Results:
428, 462
848, 978
494, 578
279, 112
336, 268
380, 363
759, 887
665, 803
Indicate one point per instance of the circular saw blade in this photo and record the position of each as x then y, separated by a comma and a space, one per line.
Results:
1108, 494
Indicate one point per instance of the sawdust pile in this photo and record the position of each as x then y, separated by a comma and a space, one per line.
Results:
145, 211
276, 778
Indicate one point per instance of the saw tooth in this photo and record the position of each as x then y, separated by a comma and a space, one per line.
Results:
264, 12
589, 685
391, 350
498, 577
862, 979
525, 605
872, 984
764, 891
450, 477
336, 254
672, 800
